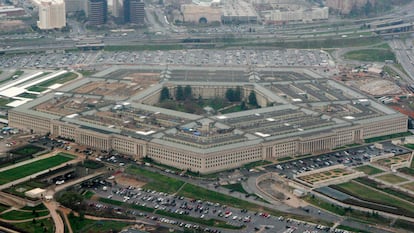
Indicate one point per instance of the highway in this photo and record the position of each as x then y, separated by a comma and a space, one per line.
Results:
405, 55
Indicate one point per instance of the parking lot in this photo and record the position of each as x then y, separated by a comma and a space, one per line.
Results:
288, 57
254, 221
349, 157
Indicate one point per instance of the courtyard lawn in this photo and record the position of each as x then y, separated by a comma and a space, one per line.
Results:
156, 181
369, 170
31, 168
391, 178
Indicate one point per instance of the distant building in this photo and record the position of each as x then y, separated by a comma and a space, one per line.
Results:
200, 14
239, 12
117, 8
76, 5
11, 11
299, 15
97, 12
52, 14
134, 11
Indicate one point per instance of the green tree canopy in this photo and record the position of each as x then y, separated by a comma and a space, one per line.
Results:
165, 94
252, 99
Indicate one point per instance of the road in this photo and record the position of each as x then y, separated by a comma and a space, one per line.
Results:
405, 55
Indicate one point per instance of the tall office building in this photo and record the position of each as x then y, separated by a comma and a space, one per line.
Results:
97, 12
75, 5
52, 14
117, 8
134, 11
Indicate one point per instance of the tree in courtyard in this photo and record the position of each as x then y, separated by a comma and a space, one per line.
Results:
179, 94
165, 94
230, 94
188, 92
237, 94
252, 99
243, 106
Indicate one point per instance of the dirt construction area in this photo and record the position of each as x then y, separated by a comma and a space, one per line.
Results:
126, 180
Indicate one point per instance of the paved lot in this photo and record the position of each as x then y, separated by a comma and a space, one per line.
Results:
289, 57
349, 157
199, 209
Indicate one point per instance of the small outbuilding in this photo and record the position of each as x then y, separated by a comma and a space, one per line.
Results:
35, 193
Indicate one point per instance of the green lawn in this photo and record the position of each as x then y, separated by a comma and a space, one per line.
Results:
27, 95
37, 89
3, 207
21, 215
40, 226
371, 55
369, 170
4, 101
339, 210
197, 192
27, 150
351, 229
368, 194
92, 226
156, 181
39, 207
256, 164
31, 168
88, 194
235, 187
18, 73
61, 79
391, 178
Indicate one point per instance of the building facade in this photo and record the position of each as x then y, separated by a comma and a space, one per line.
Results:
97, 12
52, 14
134, 11
210, 143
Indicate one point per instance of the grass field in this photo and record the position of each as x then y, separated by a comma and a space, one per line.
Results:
371, 55
235, 187
3, 207
21, 215
39, 207
40, 226
369, 170
156, 181
61, 79
91, 226
339, 210
5, 101
391, 178
196, 192
256, 164
27, 150
31, 168
409, 186
368, 194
